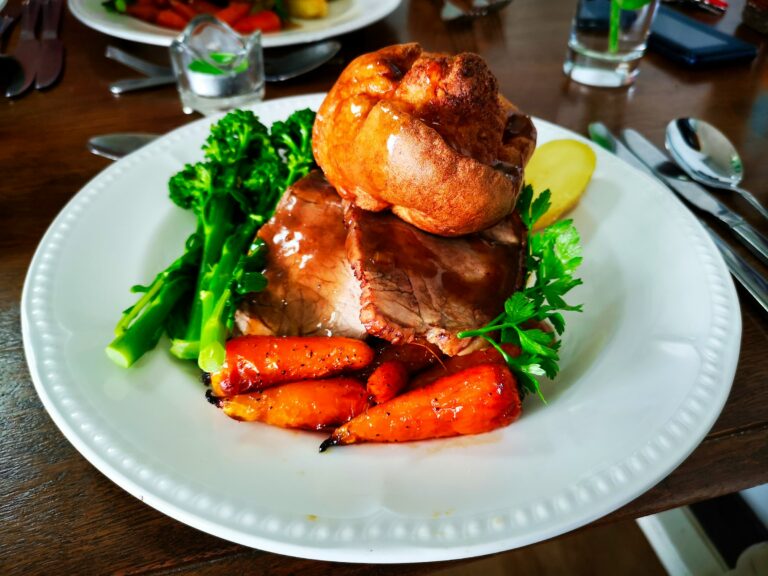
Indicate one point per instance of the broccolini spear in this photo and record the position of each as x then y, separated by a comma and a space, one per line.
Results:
141, 325
211, 189
232, 192
259, 183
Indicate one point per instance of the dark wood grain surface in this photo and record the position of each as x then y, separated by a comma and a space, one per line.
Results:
59, 515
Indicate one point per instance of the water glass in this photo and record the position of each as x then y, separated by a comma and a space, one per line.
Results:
216, 68
607, 41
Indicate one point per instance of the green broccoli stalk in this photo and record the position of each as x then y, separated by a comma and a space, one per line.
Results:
197, 188
232, 192
141, 325
216, 300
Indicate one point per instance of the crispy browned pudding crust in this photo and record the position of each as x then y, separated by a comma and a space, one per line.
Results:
425, 135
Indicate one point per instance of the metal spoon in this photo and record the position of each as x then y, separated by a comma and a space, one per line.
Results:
298, 62
276, 68
708, 157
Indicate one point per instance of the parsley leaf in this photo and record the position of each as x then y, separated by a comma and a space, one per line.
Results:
554, 255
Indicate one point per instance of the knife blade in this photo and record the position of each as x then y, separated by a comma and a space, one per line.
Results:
138, 64
27, 51
752, 281
664, 169
601, 135
115, 146
51, 48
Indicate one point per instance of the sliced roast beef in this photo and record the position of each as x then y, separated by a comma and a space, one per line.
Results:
311, 289
417, 286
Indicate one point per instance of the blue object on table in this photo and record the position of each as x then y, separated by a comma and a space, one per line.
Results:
694, 44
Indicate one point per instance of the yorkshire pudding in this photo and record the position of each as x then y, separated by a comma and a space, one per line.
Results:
425, 135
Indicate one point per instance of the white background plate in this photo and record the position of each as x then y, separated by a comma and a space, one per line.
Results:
646, 370
343, 16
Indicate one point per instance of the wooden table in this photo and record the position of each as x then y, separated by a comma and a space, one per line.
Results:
60, 516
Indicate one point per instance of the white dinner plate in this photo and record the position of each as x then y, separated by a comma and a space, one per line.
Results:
646, 370
343, 16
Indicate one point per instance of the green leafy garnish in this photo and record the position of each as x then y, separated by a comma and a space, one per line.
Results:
223, 63
232, 192
553, 255
119, 6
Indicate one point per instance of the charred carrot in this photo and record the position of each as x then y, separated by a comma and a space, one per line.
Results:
458, 363
142, 12
170, 19
183, 9
387, 381
266, 21
475, 400
256, 362
203, 7
414, 356
234, 12
309, 405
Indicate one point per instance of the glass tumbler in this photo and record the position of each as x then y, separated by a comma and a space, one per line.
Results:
216, 68
608, 40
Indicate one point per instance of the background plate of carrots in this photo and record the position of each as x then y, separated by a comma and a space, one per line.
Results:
158, 21
645, 370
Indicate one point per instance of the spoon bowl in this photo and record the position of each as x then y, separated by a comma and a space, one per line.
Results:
708, 157
300, 61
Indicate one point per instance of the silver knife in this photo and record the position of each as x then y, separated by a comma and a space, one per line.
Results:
752, 281
600, 134
115, 146
27, 48
52, 49
664, 169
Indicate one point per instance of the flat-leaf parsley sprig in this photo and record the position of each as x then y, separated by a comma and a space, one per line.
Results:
553, 255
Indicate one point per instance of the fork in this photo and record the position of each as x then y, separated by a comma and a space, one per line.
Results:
6, 21
10, 69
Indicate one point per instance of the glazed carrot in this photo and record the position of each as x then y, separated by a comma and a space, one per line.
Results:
183, 9
387, 381
170, 19
415, 356
234, 12
475, 400
309, 405
266, 21
142, 12
458, 363
256, 362
203, 7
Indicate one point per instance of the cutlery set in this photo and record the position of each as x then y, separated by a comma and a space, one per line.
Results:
636, 150
40, 59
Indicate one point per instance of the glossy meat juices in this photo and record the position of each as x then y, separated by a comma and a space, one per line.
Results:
421, 287
355, 273
311, 290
